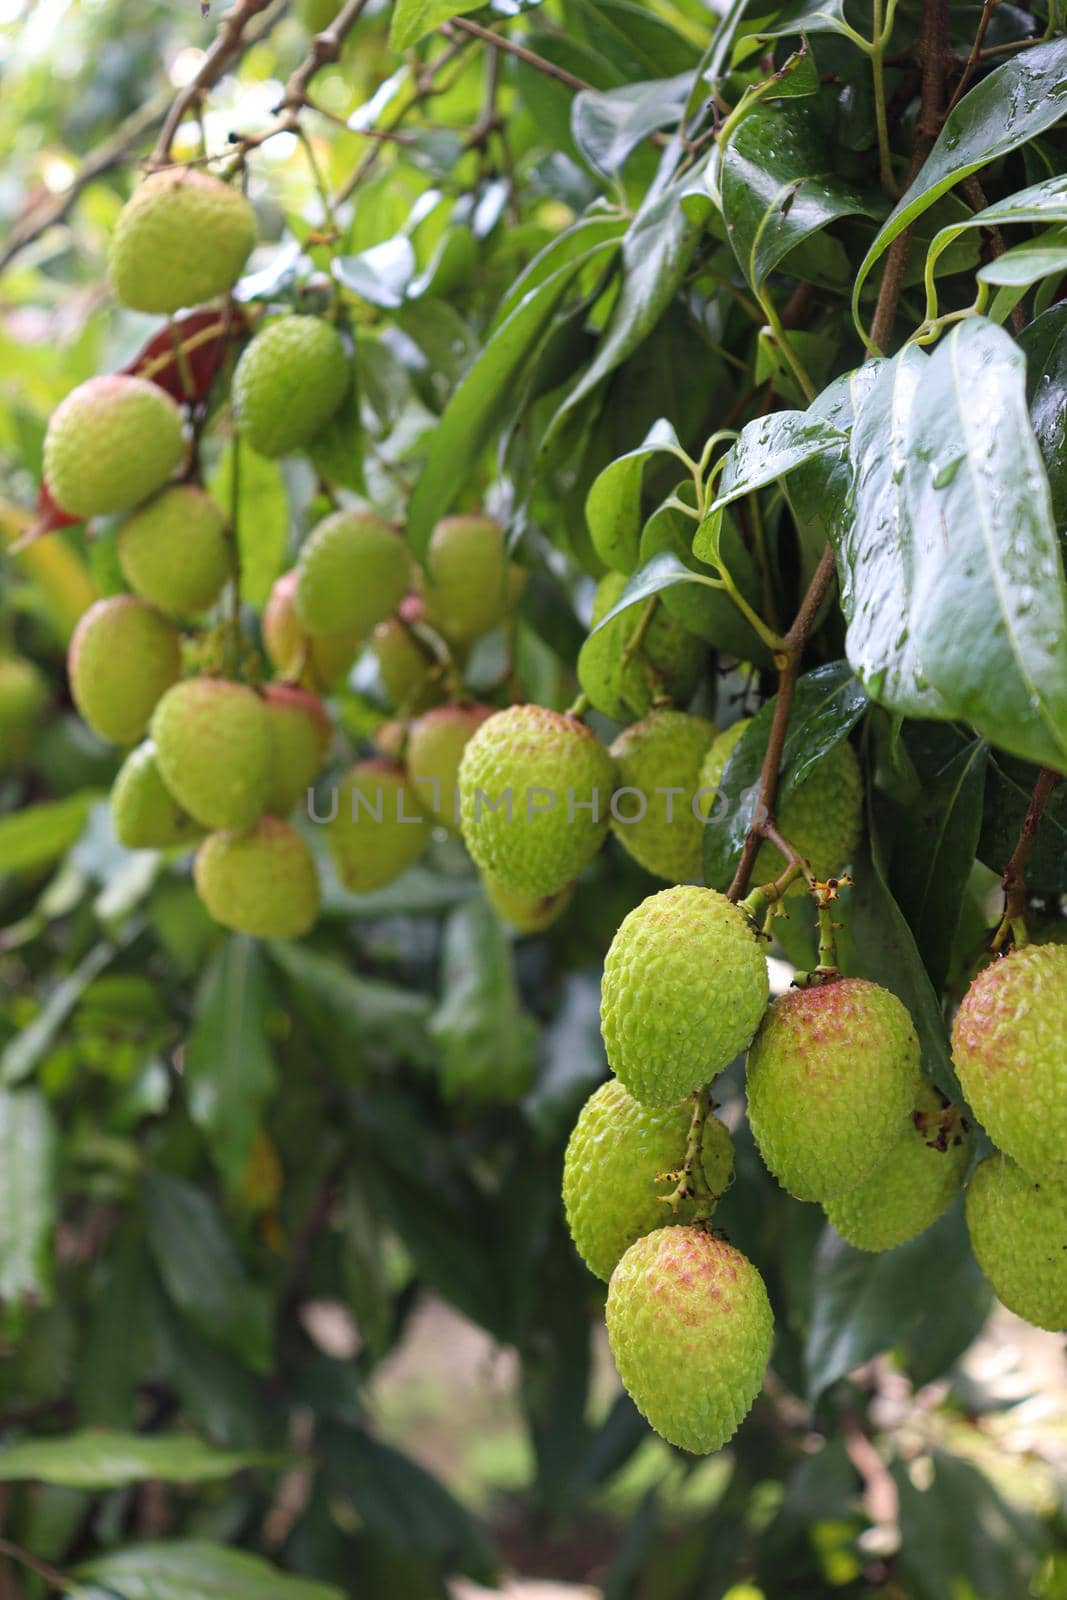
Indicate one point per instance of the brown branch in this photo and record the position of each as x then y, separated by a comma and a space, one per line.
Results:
228, 44
788, 673
531, 58
325, 47
1014, 880
971, 64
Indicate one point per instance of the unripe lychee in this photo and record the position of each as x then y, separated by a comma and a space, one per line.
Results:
691, 1329
714, 765
379, 829
302, 732
320, 663
1018, 1229
535, 788
468, 584
1009, 1047
353, 571
288, 384
215, 748
623, 1160
173, 551
23, 696
182, 238
685, 985
669, 659
660, 757
263, 882
913, 1183
111, 443
123, 656
526, 913
144, 813
436, 743
832, 1078
406, 667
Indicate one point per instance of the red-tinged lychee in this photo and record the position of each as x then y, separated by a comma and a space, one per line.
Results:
435, 747
123, 656
302, 733
111, 443
215, 748
319, 664
379, 828
262, 882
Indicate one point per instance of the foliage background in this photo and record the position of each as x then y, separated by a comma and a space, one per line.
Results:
280, 1237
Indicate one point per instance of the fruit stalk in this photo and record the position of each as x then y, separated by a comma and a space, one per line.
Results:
1014, 879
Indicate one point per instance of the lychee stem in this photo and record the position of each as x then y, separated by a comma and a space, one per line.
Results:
690, 1180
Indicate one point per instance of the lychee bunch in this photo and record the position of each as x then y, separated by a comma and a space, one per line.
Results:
1008, 1048
1018, 1229
435, 746
352, 573
144, 813
660, 758
182, 238
684, 988
173, 551
623, 1160
123, 656
379, 828
690, 1327
262, 882
535, 788
288, 384
913, 1183
668, 662
832, 1079
215, 749
111, 443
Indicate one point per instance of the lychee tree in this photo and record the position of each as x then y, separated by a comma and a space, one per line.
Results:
533, 710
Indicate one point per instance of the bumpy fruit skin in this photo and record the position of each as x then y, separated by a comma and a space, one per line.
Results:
436, 743
406, 668
173, 551
288, 384
320, 663
123, 656
111, 443
1009, 1049
663, 752
183, 237
353, 572
691, 1329
544, 760
685, 985
1018, 1229
714, 763
524, 912
468, 583
23, 696
833, 1076
379, 829
614, 1191
302, 733
911, 1186
215, 749
144, 813
669, 658
263, 882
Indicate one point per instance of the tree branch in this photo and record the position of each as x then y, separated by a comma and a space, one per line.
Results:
531, 58
228, 44
1014, 880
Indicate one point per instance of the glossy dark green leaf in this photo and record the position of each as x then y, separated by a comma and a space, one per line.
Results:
779, 187
198, 1262
1044, 342
115, 1340
475, 408
1011, 106
610, 124
803, 16
828, 704
230, 1070
381, 275
772, 447
1009, 785
191, 1569
708, 612
351, 1015
959, 1535
940, 835
25, 1050
613, 504
485, 1039
572, 1058
413, 19
98, 1459
1025, 264
1042, 202
29, 1144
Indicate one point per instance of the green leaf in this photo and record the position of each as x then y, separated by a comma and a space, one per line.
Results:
1042, 202
804, 16
1044, 342
613, 504
28, 1195
660, 573
230, 1072
262, 516
26, 1049
959, 1536
337, 449
954, 588
1008, 788
202, 1272
485, 1039
381, 275
1027, 263
827, 705
573, 1059
1007, 109
39, 834
349, 1014
609, 125
96, 1459
706, 611
475, 408
414, 19
779, 187
771, 447
192, 1569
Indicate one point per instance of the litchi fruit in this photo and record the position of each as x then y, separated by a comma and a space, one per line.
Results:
111, 443
1018, 1229
173, 551
436, 742
302, 733
144, 813
379, 828
319, 663
526, 913
469, 584
353, 572
669, 661
123, 656
288, 384
215, 748
182, 238
23, 696
262, 882
660, 758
